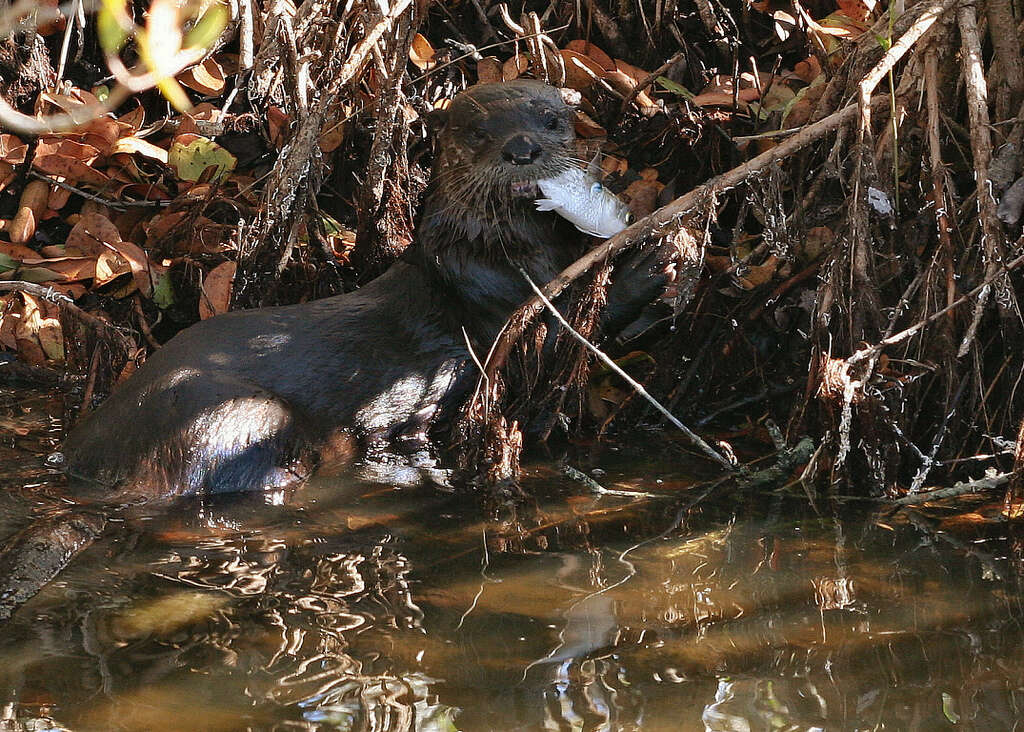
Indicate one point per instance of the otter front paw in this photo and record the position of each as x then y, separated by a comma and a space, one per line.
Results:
651, 284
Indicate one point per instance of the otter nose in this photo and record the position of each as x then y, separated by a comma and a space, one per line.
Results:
520, 150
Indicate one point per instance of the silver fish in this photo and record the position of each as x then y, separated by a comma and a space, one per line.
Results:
578, 197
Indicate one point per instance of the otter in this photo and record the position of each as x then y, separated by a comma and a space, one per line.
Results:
249, 400
252, 400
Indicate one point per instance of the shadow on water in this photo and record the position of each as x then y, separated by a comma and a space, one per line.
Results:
353, 606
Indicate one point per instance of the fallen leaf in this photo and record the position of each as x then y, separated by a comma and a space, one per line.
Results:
135, 119
588, 49
757, 275
93, 234
856, 9
808, 70
642, 196
139, 264
515, 66
65, 269
71, 169
206, 77
12, 149
488, 70
585, 126
138, 146
277, 123
421, 53
109, 266
40, 324
581, 72
203, 112
191, 155
17, 251
216, 294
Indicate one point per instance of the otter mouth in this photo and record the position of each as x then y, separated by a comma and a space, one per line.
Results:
524, 189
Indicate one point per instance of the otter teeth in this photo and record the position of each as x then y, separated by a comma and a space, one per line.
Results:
524, 189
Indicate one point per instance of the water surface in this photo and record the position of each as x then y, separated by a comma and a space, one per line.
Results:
352, 605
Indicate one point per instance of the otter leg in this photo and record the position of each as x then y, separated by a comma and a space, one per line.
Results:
640, 279
200, 432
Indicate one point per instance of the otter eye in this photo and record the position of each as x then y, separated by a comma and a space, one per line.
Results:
551, 121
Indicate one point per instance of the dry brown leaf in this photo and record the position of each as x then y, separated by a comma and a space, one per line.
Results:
588, 49
278, 123
586, 127
203, 112
137, 146
31, 207
68, 101
817, 241
839, 25
422, 54
488, 70
515, 66
611, 164
642, 195
57, 199
206, 77
856, 9
802, 107
92, 235
135, 119
216, 294
109, 266
53, 145
103, 132
12, 149
70, 169
332, 137
40, 325
138, 263
10, 314
808, 70
758, 275
581, 72
66, 269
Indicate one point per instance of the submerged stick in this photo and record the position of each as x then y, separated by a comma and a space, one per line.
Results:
33, 557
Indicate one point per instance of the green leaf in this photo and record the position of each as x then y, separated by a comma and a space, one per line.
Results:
163, 290
208, 27
110, 26
189, 161
8, 263
669, 85
38, 275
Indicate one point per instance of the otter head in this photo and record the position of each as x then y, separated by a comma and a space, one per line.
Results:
499, 139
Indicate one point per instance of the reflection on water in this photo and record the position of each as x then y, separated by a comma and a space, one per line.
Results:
350, 606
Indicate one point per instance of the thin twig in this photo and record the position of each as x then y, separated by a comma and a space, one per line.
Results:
637, 386
663, 217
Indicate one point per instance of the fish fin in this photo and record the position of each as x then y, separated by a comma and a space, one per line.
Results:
545, 204
594, 167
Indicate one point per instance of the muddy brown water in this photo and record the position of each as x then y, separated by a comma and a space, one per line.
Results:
353, 605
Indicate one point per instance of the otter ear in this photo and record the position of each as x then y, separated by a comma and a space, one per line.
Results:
435, 120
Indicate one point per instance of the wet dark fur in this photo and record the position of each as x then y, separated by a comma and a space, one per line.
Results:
249, 400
